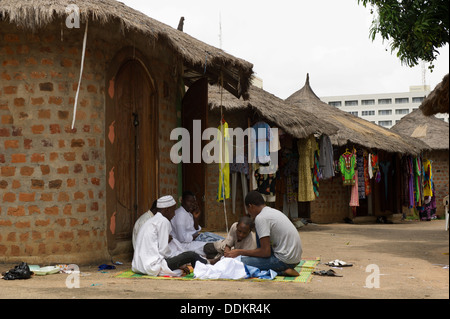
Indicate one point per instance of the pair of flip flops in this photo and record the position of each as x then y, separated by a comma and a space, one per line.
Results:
338, 263
329, 273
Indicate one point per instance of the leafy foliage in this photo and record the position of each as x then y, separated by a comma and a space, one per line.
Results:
415, 28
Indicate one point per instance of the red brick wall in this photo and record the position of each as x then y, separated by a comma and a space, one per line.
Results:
332, 205
52, 178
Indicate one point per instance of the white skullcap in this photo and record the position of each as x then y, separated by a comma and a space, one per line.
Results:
165, 201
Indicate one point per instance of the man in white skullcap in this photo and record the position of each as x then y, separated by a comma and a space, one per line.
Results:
153, 255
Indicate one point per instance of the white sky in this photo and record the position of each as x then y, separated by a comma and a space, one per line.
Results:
285, 40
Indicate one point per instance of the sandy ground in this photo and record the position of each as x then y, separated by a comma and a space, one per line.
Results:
411, 258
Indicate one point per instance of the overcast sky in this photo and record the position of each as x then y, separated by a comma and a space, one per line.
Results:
286, 39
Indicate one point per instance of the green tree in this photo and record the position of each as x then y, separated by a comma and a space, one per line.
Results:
416, 29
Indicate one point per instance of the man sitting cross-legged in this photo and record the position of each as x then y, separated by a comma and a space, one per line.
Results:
153, 255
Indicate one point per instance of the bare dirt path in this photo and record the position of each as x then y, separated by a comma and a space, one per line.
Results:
411, 258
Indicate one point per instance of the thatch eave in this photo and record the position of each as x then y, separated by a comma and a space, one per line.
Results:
429, 129
438, 100
352, 129
299, 124
221, 67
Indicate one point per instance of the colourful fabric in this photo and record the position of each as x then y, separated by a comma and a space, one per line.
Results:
224, 165
347, 164
354, 199
305, 268
261, 138
367, 188
427, 178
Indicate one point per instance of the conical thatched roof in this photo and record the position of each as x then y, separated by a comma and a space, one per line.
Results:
299, 124
437, 101
429, 129
35, 14
352, 129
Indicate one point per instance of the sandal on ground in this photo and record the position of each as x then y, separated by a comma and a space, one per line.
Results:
330, 273
338, 263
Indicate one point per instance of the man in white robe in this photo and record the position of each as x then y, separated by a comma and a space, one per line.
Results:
141, 221
153, 255
185, 224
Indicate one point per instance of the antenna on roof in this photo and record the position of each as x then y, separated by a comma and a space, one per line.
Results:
220, 30
181, 24
424, 75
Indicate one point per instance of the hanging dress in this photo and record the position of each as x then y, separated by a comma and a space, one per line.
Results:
305, 166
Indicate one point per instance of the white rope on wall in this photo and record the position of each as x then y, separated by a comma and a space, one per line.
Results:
81, 74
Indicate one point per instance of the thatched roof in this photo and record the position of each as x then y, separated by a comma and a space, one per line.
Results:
353, 129
236, 73
429, 129
437, 101
298, 123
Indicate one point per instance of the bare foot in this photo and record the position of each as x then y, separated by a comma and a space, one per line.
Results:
214, 261
291, 273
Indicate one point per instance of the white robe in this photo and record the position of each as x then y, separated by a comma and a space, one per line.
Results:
183, 230
137, 226
152, 248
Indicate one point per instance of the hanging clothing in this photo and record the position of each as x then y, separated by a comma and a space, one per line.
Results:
367, 188
326, 159
385, 170
347, 164
360, 165
369, 166
427, 178
266, 183
354, 198
223, 191
306, 148
260, 141
316, 173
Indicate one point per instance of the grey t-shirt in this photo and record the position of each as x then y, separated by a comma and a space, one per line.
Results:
284, 237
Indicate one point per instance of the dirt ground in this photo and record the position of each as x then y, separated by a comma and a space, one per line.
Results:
411, 257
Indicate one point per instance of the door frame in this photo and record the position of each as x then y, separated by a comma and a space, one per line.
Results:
120, 59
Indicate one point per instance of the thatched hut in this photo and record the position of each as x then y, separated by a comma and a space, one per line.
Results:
354, 132
70, 193
435, 133
437, 101
260, 105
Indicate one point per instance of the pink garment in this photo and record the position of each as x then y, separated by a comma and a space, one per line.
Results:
354, 199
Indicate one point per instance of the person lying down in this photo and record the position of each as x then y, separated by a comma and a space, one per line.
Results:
240, 236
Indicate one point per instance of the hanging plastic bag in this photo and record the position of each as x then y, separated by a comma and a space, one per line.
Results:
22, 271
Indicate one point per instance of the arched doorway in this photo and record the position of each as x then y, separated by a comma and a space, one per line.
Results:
131, 151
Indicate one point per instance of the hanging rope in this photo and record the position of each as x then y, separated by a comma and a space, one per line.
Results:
222, 176
81, 73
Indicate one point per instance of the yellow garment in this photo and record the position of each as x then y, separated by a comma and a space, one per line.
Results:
224, 165
306, 149
427, 189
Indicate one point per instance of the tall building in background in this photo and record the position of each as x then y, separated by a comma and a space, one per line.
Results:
383, 109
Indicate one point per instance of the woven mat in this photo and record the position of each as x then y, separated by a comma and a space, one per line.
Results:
305, 268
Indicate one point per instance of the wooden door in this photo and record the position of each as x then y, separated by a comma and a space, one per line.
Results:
195, 107
131, 150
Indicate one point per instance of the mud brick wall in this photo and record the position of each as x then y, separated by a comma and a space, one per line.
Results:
52, 177
332, 205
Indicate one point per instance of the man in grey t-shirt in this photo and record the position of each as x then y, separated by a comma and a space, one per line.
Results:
279, 247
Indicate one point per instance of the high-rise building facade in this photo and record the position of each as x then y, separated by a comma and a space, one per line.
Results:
383, 109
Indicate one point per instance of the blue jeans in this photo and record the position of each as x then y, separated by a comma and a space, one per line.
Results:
266, 263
